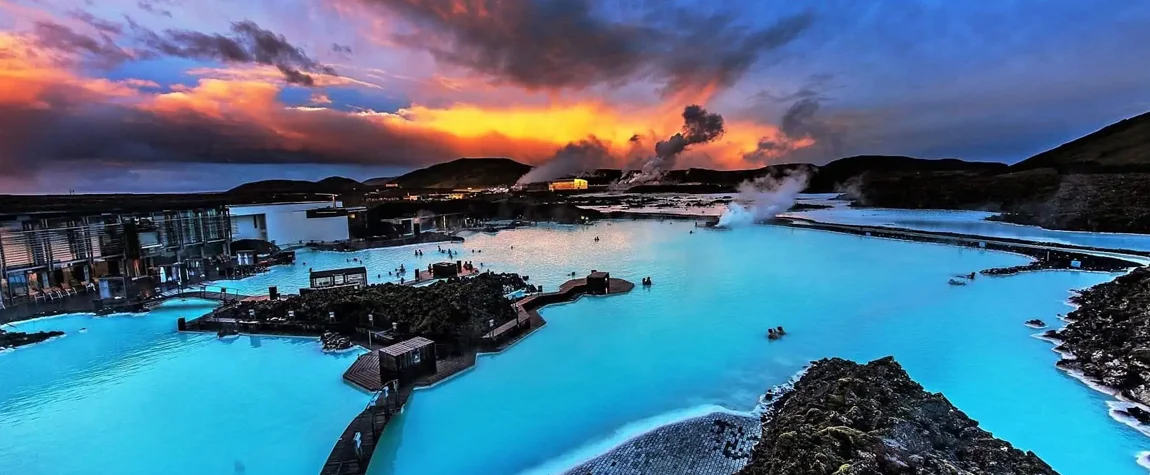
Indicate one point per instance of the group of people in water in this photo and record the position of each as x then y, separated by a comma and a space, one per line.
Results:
646, 281
776, 333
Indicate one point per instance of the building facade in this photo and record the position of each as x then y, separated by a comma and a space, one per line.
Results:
291, 224
50, 253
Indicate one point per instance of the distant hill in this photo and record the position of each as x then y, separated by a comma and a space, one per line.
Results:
333, 184
465, 173
378, 181
1099, 182
1122, 146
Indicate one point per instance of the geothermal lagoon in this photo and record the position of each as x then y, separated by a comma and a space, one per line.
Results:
601, 371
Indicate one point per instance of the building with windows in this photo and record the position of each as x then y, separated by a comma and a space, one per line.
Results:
292, 224
55, 253
567, 185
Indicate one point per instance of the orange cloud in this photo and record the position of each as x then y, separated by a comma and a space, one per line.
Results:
235, 115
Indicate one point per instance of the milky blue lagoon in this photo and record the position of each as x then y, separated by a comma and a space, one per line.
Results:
132, 396
697, 338
603, 369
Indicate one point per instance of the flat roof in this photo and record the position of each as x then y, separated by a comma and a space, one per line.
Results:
598, 275
406, 346
335, 272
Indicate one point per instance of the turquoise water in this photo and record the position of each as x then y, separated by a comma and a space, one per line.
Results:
130, 395
696, 339
290, 278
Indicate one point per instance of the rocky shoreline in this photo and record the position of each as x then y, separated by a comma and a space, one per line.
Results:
1107, 338
845, 418
17, 339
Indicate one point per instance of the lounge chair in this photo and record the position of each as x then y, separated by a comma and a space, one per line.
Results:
36, 295
68, 290
55, 293
91, 285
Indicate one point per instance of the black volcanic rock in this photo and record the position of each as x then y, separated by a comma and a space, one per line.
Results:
465, 173
15, 339
1109, 334
843, 418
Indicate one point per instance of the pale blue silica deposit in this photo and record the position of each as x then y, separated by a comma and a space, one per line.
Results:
130, 396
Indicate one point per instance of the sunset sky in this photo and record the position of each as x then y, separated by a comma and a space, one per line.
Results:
197, 95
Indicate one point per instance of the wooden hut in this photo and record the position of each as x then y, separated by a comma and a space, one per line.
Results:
336, 278
407, 360
442, 270
599, 283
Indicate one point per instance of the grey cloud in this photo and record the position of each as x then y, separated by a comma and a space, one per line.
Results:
553, 44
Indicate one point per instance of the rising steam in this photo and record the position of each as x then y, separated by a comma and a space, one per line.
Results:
764, 198
699, 126
574, 159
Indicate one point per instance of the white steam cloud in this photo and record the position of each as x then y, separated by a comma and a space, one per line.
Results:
763, 198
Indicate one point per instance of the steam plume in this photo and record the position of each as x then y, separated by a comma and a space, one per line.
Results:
764, 198
699, 126
574, 159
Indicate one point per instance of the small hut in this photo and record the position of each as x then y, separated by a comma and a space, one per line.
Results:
407, 360
599, 283
333, 278
442, 270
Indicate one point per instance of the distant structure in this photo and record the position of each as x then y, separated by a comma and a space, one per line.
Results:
567, 185
337, 278
407, 360
288, 224
599, 283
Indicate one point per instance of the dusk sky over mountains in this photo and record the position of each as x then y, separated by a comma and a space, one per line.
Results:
183, 95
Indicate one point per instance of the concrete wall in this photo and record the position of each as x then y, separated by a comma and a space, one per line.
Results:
288, 224
244, 227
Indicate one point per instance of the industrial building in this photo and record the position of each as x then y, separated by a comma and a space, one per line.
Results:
567, 185
292, 224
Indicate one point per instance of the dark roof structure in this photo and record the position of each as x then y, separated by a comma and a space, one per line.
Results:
406, 346
335, 272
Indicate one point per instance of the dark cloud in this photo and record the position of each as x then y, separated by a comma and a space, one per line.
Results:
155, 7
797, 121
66, 126
104, 26
552, 44
342, 49
816, 86
100, 50
248, 44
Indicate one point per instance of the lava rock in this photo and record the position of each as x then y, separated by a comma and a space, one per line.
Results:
15, 339
334, 341
1035, 323
1108, 335
1139, 414
844, 418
